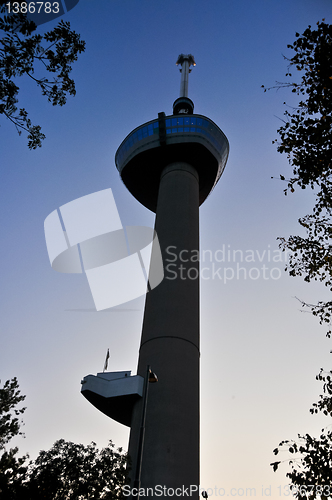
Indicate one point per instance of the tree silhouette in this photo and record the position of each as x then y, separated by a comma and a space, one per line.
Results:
22, 53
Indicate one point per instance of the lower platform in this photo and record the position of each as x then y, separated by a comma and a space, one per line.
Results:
113, 393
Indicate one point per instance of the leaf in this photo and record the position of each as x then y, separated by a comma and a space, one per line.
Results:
275, 466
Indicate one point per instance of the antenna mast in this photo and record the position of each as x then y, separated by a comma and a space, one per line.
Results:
186, 61
184, 105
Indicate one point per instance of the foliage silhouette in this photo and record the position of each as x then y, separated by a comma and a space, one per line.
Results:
21, 53
306, 138
67, 471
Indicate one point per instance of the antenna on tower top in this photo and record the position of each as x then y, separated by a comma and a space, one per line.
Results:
183, 105
186, 61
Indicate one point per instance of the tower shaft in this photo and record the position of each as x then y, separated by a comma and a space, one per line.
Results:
170, 342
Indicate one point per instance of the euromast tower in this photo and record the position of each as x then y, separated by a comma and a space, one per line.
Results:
170, 165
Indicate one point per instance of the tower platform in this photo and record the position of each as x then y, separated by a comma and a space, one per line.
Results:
113, 393
149, 148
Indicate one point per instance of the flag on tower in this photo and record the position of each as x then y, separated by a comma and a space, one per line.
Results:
106, 360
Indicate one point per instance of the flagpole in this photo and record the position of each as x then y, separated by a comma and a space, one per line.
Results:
106, 360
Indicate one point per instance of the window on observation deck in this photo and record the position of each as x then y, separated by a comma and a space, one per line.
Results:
174, 125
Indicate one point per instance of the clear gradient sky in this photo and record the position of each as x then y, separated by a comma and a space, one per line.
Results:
259, 353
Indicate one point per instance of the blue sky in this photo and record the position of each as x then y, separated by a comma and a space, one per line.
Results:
259, 354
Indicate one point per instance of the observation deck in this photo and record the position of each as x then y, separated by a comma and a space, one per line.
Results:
148, 149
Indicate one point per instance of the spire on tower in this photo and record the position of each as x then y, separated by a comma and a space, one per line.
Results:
183, 105
185, 61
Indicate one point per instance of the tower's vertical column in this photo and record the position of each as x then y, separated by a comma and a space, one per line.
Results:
170, 342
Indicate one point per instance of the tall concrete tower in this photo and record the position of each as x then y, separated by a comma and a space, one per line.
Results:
170, 165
